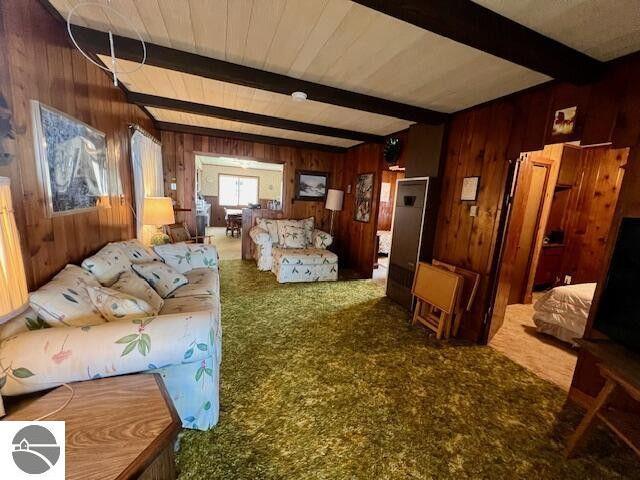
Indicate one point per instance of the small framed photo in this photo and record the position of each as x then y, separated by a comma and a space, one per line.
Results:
470, 186
311, 185
564, 121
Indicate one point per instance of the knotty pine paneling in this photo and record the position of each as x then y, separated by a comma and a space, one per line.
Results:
38, 62
385, 212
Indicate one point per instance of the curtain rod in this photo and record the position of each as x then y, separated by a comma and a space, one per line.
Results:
135, 126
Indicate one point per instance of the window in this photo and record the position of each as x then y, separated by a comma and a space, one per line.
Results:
234, 190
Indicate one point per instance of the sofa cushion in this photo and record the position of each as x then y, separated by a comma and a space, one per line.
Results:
193, 303
202, 281
163, 278
136, 251
64, 301
115, 305
304, 256
108, 264
130, 283
24, 322
307, 224
294, 237
270, 226
187, 256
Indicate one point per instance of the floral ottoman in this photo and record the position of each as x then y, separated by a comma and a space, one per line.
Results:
304, 265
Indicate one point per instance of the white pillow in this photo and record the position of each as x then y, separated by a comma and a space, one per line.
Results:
24, 322
108, 264
270, 226
184, 257
162, 277
136, 251
306, 224
64, 301
115, 305
294, 237
131, 284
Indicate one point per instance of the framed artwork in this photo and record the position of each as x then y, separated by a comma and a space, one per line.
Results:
311, 185
564, 121
364, 196
469, 191
71, 158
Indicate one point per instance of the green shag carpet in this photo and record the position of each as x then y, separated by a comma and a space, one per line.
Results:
329, 381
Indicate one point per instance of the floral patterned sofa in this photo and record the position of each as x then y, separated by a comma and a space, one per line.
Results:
128, 310
294, 250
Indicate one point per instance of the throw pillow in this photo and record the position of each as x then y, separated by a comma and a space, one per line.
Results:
294, 237
184, 257
306, 224
133, 285
270, 226
64, 301
24, 322
136, 251
108, 264
163, 278
114, 305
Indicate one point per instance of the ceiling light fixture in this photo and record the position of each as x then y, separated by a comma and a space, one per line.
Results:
299, 96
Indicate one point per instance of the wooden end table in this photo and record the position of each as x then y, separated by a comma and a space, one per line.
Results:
116, 428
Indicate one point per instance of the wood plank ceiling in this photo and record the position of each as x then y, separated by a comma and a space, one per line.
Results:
336, 43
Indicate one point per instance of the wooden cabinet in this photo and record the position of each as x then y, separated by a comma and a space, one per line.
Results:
569, 166
549, 271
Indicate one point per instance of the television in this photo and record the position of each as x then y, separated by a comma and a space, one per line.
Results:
618, 315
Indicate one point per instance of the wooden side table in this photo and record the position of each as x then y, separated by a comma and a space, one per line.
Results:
116, 428
621, 372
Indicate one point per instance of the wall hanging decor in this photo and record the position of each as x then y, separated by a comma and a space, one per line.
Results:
311, 185
364, 196
469, 192
71, 160
564, 121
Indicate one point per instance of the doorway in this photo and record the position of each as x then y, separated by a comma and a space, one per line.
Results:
560, 211
385, 215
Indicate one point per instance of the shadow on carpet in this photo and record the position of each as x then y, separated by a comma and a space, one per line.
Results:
329, 381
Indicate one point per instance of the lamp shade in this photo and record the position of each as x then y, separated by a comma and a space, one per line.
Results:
334, 200
158, 211
14, 297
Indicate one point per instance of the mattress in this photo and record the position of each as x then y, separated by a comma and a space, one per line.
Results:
563, 311
384, 241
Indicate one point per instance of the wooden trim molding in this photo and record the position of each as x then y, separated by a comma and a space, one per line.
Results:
471, 24
143, 99
97, 42
249, 137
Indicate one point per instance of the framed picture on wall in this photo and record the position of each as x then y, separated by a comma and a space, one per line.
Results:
469, 192
311, 185
71, 158
364, 197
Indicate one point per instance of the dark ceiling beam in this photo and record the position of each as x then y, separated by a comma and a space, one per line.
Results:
476, 26
194, 64
142, 99
247, 137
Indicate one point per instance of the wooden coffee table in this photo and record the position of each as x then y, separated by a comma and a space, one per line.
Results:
116, 428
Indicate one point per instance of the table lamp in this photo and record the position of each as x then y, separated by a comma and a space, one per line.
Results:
14, 297
158, 211
334, 203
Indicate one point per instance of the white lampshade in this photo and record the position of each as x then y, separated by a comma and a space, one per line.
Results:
158, 211
334, 200
14, 297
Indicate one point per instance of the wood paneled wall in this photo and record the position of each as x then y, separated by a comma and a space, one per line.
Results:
179, 149
38, 62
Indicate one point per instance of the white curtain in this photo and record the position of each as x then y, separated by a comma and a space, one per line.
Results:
148, 181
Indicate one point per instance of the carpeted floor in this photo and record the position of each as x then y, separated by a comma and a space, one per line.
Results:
328, 381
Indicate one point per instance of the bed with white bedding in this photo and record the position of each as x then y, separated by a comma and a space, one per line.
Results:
563, 311
384, 241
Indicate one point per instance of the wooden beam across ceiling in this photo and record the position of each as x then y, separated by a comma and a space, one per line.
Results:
145, 100
471, 24
247, 137
194, 64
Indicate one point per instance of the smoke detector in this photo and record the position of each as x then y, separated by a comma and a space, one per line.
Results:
299, 96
